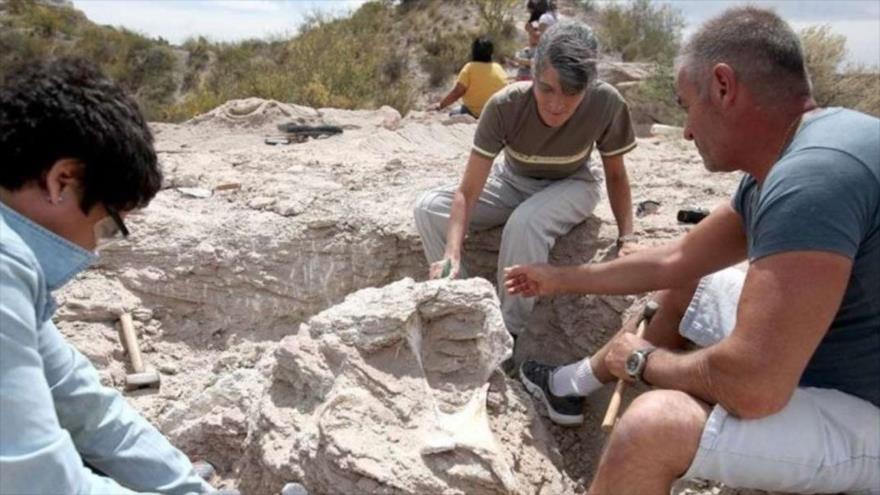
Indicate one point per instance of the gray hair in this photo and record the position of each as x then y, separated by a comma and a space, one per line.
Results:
571, 48
758, 45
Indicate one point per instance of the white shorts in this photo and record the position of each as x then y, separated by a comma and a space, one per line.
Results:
823, 441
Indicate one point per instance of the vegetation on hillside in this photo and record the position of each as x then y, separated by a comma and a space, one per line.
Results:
641, 30
364, 60
373, 57
326, 65
645, 31
144, 67
854, 86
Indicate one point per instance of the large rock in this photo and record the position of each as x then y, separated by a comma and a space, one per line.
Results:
393, 391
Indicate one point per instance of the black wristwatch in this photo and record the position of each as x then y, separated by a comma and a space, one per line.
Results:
635, 363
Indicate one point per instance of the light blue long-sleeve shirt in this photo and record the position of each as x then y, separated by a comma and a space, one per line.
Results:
54, 413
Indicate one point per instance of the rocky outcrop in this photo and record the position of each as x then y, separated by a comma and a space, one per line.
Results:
395, 390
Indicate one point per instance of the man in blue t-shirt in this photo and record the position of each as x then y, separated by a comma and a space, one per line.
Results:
783, 392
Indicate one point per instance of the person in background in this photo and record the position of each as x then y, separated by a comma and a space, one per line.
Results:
542, 15
523, 58
478, 80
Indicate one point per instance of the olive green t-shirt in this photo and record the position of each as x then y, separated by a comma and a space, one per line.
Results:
510, 122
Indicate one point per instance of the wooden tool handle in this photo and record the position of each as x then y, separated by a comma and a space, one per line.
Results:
617, 396
129, 340
613, 407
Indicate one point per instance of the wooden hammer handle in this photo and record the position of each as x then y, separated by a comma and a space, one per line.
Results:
616, 398
129, 340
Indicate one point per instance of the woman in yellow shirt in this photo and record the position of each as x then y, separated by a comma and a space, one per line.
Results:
478, 80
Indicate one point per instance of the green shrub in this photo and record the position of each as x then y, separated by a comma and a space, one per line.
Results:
497, 17
588, 6
48, 21
325, 65
641, 30
836, 84
823, 54
445, 54
656, 95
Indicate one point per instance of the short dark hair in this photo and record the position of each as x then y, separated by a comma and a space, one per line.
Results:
758, 45
67, 109
537, 8
481, 49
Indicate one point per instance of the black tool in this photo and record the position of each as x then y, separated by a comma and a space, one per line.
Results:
692, 216
296, 133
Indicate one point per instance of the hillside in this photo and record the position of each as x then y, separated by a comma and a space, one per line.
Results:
415, 48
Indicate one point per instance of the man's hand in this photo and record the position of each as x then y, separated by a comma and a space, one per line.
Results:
531, 280
619, 350
446, 268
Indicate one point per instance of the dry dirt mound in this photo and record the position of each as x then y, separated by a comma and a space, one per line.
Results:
247, 241
394, 391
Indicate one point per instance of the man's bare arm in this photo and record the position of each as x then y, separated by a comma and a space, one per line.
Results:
787, 305
716, 242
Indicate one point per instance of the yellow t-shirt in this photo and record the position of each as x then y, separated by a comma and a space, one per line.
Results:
482, 80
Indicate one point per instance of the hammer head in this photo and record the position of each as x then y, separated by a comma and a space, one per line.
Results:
145, 379
650, 308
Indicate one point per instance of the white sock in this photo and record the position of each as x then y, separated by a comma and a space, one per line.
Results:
574, 379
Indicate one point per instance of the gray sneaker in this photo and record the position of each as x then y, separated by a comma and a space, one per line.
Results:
567, 410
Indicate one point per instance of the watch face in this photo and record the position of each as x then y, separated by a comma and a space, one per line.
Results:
632, 363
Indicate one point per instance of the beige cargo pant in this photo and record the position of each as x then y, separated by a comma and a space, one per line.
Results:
534, 212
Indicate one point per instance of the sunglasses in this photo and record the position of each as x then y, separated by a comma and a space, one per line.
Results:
110, 229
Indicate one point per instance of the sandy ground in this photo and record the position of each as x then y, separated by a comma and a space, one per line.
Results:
247, 241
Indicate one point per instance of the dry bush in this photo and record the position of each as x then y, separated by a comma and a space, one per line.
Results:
588, 6
836, 84
496, 16
641, 30
146, 68
353, 62
445, 54
326, 65
446, 50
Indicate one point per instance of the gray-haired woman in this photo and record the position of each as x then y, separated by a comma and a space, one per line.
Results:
543, 185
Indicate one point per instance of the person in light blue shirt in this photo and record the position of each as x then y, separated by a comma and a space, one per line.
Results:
77, 155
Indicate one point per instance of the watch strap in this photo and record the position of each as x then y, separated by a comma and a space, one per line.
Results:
645, 352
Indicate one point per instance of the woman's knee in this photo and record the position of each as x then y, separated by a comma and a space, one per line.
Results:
427, 202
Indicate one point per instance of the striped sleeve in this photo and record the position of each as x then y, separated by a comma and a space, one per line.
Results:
619, 137
490, 136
